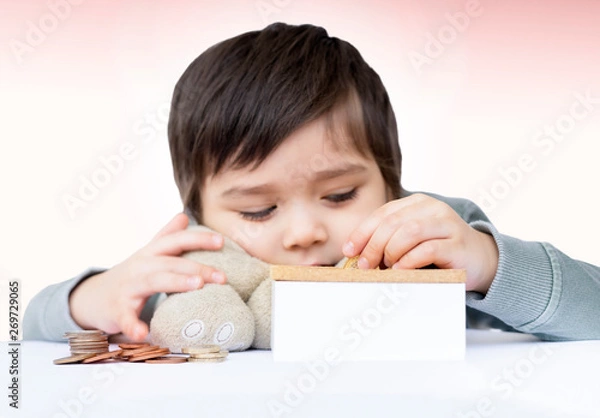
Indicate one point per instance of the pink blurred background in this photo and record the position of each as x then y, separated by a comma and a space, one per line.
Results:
100, 75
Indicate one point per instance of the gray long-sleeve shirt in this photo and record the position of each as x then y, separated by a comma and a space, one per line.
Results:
537, 290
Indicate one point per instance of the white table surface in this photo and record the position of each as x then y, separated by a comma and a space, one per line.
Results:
505, 375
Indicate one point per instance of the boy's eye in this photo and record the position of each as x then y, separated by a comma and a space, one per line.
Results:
262, 215
342, 197
258, 216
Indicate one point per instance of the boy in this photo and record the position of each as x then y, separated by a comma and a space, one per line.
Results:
285, 140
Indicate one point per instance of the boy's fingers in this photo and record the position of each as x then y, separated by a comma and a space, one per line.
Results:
361, 235
133, 327
392, 247
182, 241
184, 267
437, 251
217, 277
168, 282
178, 223
412, 216
359, 238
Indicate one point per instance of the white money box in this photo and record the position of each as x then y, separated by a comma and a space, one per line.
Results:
333, 314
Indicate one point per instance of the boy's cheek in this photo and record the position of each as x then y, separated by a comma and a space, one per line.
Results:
342, 226
248, 235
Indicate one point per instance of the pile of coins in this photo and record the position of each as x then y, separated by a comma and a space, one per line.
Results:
147, 353
134, 352
92, 346
205, 354
87, 342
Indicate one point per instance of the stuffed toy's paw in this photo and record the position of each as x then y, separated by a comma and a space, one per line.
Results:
260, 305
214, 314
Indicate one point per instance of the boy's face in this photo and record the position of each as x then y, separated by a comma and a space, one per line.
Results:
301, 204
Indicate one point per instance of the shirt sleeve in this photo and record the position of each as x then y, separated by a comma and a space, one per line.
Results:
48, 315
539, 290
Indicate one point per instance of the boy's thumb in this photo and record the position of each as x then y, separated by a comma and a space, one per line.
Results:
134, 329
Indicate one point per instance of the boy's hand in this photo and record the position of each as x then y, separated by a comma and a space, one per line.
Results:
419, 230
112, 301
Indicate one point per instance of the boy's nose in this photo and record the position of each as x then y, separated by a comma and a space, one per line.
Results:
304, 230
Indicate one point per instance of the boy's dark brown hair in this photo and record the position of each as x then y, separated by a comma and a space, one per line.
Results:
241, 98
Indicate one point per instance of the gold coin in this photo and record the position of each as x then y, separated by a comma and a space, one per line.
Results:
72, 359
352, 262
166, 360
201, 349
88, 340
206, 360
89, 350
89, 344
90, 347
220, 354
102, 348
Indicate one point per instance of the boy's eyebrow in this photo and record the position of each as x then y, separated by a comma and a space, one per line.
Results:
343, 170
245, 191
320, 175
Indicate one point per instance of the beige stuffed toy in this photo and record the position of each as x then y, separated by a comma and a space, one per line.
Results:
235, 315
